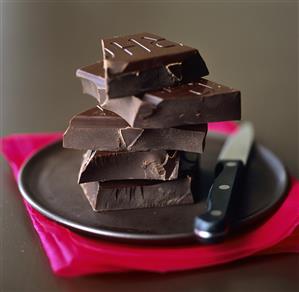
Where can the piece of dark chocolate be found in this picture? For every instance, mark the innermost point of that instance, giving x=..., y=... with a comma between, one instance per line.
x=103, y=130
x=198, y=102
x=142, y=62
x=146, y=165
x=193, y=103
x=124, y=195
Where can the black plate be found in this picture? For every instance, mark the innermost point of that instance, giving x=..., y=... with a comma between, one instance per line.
x=48, y=182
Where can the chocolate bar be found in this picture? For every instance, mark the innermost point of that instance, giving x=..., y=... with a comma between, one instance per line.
x=146, y=165
x=143, y=62
x=193, y=103
x=198, y=102
x=121, y=195
x=103, y=130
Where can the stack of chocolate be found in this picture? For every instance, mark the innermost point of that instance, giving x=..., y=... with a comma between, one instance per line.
x=144, y=138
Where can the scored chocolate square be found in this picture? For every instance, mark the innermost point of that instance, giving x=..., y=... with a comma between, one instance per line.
x=141, y=62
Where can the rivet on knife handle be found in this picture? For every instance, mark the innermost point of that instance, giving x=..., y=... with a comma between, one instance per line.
x=215, y=223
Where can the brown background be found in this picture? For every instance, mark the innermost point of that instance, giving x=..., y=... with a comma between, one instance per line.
x=249, y=46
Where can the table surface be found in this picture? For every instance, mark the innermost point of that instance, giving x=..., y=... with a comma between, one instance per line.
x=249, y=46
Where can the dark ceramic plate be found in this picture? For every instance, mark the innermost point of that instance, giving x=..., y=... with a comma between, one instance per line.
x=48, y=182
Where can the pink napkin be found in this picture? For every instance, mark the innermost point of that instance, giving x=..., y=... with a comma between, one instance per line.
x=71, y=254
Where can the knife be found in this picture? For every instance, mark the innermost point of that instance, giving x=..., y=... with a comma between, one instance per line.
x=215, y=223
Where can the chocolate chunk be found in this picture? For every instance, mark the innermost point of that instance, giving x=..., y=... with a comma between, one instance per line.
x=105, y=131
x=123, y=195
x=146, y=165
x=193, y=103
x=198, y=102
x=142, y=62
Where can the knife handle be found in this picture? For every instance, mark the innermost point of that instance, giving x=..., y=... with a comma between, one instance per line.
x=215, y=223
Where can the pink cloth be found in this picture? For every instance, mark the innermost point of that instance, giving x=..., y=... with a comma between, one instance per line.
x=71, y=254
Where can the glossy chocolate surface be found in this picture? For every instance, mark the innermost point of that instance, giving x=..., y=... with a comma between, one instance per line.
x=142, y=62
x=197, y=102
x=103, y=130
x=142, y=51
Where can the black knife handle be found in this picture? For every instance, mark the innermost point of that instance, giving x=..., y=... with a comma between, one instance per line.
x=215, y=223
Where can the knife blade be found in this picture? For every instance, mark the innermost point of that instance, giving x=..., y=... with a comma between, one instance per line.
x=215, y=223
